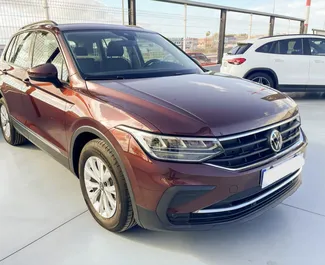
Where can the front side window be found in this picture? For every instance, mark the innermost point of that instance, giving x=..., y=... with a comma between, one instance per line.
x=126, y=54
x=291, y=46
x=21, y=54
x=317, y=47
x=46, y=50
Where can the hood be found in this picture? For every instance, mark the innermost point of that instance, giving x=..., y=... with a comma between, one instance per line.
x=197, y=104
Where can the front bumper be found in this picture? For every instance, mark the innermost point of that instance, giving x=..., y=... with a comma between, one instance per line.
x=224, y=213
x=178, y=196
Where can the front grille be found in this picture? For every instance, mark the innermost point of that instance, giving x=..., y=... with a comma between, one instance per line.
x=253, y=148
x=233, y=215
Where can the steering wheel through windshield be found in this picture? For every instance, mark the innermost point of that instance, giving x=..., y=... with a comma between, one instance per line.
x=151, y=62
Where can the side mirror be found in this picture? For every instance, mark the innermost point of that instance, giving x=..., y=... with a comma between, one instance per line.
x=45, y=73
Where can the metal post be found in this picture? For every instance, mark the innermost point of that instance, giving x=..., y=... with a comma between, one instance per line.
x=132, y=12
x=271, y=28
x=308, y=3
x=250, y=26
x=46, y=8
x=185, y=27
x=222, y=34
x=123, y=21
x=302, y=27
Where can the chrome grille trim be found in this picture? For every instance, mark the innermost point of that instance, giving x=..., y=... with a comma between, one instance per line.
x=258, y=130
x=298, y=144
x=262, y=196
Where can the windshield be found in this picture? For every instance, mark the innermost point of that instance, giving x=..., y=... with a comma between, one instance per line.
x=119, y=54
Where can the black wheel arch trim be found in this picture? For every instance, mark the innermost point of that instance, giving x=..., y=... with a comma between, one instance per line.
x=263, y=69
x=100, y=135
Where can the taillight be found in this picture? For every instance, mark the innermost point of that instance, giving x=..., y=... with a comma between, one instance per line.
x=237, y=61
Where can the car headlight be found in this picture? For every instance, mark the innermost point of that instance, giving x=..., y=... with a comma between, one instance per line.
x=174, y=148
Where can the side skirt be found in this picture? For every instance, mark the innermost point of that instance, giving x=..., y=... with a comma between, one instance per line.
x=41, y=143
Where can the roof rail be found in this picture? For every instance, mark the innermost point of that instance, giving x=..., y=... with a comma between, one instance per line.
x=42, y=22
x=288, y=35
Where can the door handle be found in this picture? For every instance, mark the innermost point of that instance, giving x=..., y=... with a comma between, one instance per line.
x=319, y=61
x=279, y=60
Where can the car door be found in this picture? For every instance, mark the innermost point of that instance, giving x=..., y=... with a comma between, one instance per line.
x=44, y=103
x=13, y=73
x=316, y=54
x=290, y=64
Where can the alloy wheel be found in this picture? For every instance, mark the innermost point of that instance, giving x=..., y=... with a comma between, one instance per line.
x=5, y=122
x=262, y=80
x=100, y=186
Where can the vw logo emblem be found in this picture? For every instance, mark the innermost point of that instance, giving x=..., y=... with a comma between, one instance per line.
x=276, y=140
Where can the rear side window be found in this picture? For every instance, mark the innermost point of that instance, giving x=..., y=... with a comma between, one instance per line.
x=268, y=47
x=291, y=46
x=8, y=52
x=240, y=48
x=22, y=51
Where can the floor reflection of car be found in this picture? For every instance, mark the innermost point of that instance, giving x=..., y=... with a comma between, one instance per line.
x=201, y=58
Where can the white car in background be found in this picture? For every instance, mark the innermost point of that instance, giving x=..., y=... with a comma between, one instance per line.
x=288, y=63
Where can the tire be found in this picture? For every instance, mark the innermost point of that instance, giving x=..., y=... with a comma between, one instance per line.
x=262, y=78
x=9, y=132
x=95, y=155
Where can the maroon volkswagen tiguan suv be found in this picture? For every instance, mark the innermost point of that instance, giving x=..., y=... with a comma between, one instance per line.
x=154, y=139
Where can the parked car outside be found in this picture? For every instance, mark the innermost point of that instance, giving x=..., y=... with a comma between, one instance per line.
x=201, y=58
x=157, y=142
x=288, y=63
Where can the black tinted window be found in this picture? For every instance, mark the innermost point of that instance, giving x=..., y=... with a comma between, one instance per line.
x=21, y=54
x=8, y=52
x=317, y=47
x=293, y=46
x=240, y=49
x=46, y=50
x=268, y=47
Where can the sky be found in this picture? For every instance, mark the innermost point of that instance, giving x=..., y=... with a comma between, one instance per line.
x=169, y=18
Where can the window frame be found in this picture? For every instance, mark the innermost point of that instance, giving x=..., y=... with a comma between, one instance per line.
x=60, y=49
x=10, y=46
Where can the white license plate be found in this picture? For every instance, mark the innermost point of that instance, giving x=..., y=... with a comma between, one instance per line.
x=277, y=172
